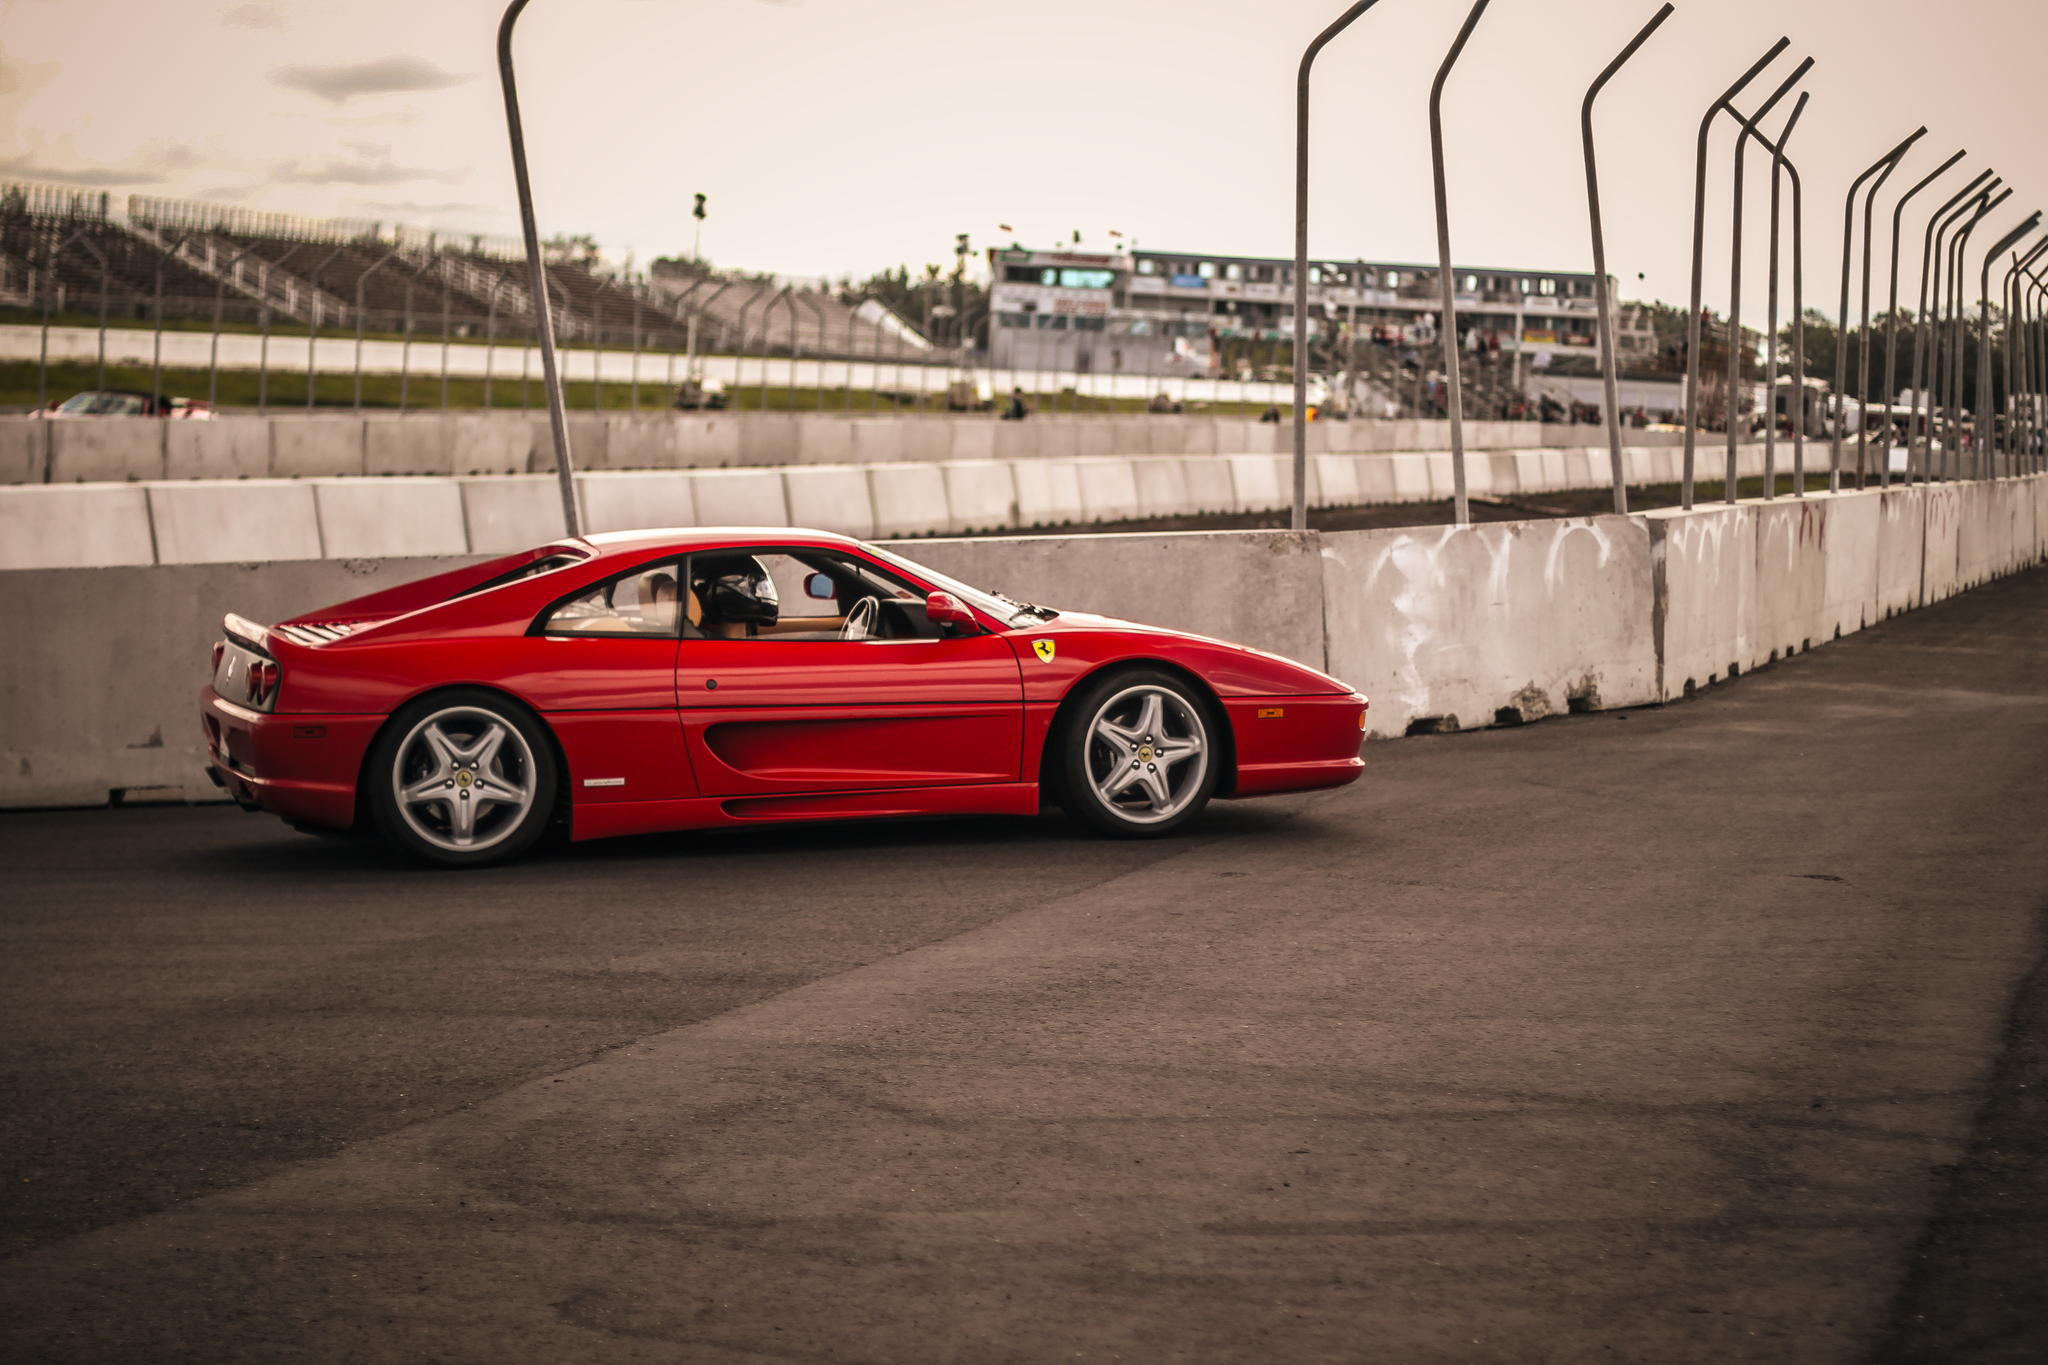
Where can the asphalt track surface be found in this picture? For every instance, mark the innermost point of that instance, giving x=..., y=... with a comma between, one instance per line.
x=1712, y=1032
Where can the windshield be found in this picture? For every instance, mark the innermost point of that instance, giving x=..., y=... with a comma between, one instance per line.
x=102, y=405
x=1005, y=609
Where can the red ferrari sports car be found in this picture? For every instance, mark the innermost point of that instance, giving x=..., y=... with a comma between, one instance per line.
x=680, y=679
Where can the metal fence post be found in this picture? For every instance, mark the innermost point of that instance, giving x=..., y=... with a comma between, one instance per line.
x=1881, y=168
x=313, y=323
x=263, y=346
x=1610, y=384
x=1771, y=310
x=1699, y=243
x=1730, y=479
x=2016, y=359
x=1958, y=249
x=1926, y=334
x=1891, y=319
x=558, y=420
x=1987, y=420
x=1863, y=330
x=1299, y=517
x=362, y=281
x=1447, y=334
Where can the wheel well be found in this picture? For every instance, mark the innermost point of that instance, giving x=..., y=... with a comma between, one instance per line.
x=1226, y=777
x=562, y=792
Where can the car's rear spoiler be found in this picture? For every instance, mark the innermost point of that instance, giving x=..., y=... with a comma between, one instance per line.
x=243, y=631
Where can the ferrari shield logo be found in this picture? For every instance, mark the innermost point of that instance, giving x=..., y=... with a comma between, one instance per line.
x=1043, y=649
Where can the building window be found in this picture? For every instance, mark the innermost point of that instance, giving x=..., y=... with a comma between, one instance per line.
x=1052, y=322
x=1207, y=270
x=1471, y=283
x=1147, y=267
x=1393, y=279
x=1233, y=271
x=1020, y=274
x=1090, y=324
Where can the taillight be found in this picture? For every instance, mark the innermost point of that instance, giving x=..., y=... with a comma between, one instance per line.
x=263, y=679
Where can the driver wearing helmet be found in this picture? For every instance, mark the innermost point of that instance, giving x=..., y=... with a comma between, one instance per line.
x=736, y=595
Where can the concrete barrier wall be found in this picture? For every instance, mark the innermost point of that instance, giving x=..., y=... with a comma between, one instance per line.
x=1503, y=623
x=1442, y=626
x=489, y=513
x=297, y=445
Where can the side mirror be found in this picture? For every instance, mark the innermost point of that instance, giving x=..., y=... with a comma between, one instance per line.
x=944, y=609
x=819, y=587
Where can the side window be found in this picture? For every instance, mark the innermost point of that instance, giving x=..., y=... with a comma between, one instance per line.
x=643, y=602
x=801, y=595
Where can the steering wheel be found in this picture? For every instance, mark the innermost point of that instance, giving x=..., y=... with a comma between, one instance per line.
x=860, y=620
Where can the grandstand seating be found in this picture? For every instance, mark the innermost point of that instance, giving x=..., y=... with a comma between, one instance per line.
x=53, y=240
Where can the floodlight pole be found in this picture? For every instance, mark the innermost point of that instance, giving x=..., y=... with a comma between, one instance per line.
x=1299, y=521
x=551, y=377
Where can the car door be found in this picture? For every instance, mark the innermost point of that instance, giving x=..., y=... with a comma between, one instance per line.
x=807, y=711
x=600, y=667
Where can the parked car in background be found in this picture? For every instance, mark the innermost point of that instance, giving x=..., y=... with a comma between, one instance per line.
x=127, y=403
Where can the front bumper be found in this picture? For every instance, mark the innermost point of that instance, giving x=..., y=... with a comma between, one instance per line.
x=301, y=767
x=1289, y=744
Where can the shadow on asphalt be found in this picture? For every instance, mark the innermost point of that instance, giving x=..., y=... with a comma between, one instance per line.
x=273, y=850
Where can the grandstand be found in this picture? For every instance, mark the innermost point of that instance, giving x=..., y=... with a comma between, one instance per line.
x=79, y=252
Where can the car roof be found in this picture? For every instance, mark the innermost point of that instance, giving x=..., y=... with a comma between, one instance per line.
x=623, y=544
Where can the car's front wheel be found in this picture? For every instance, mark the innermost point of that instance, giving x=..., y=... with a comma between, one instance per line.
x=463, y=778
x=1139, y=756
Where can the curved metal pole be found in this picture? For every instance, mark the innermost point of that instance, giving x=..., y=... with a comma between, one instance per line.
x=1891, y=316
x=1610, y=384
x=2015, y=348
x=220, y=290
x=1699, y=239
x=1779, y=159
x=739, y=358
x=1924, y=337
x=1882, y=167
x=263, y=315
x=362, y=282
x=809, y=299
x=558, y=418
x=313, y=322
x=1730, y=478
x=2033, y=290
x=156, y=346
x=1863, y=328
x=1447, y=335
x=1987, y=420
x=1771, y=310
x=1958, y=252
x=1942, y=356
x=1299, y=519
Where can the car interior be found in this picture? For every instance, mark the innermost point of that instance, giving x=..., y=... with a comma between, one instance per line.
x=796, y=595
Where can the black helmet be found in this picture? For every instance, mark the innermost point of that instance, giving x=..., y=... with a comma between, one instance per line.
x=734, y=588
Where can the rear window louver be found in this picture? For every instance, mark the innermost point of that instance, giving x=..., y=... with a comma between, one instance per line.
x=314, y=633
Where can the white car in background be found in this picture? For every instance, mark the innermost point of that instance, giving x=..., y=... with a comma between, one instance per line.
x=127, y=403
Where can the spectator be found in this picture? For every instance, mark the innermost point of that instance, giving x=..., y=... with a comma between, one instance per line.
x=1016, y=410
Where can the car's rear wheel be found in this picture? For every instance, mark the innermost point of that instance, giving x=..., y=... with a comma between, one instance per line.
x=1139, y=754
x=463, y=778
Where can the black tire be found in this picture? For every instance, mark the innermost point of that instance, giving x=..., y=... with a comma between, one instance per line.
x=429, y=827
x=1085, y=759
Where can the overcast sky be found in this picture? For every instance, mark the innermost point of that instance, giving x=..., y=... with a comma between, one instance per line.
x=838, y=136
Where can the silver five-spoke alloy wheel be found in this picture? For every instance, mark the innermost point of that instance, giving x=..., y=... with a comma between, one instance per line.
x=1147, y=753
x=463, y=779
